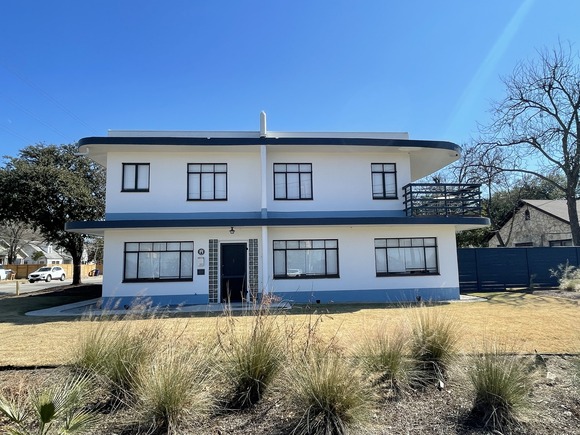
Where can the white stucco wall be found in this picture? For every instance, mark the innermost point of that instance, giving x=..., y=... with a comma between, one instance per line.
x=168, y=182
x=341, y=179
x=356, y=259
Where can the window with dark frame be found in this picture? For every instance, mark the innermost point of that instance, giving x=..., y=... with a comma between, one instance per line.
x=384, y=180
x=306, y=259
x=207, y=182
x=292, y=181
x=158, y=261
x=406, y=256
x=563, y=242
x=135, y=177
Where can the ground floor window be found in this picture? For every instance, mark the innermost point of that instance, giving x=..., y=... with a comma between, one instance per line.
x=306, y=258
x=170, y=261
x=406, y=256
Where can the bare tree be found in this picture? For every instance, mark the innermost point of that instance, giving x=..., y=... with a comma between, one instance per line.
x=16, y=235
x=536, y=125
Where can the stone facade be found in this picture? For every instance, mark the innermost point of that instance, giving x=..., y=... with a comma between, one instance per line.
x=532, y=227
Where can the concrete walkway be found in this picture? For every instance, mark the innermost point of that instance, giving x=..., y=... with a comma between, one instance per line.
x=92, y=308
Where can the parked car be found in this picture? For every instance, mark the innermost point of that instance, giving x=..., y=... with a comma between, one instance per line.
x=47, y=274
x=5, y=273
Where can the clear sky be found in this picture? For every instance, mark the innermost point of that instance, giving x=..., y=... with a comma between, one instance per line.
x=76, y=68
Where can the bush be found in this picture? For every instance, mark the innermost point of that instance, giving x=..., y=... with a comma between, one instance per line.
x=60, y=407
x=253, y=357
x=386, y=356
x=174, y=386
x=568, y=277
x=433, y=344
x=502, y=385
x=329, y=395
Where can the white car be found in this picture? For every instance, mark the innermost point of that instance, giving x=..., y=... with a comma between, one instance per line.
x=47, y=274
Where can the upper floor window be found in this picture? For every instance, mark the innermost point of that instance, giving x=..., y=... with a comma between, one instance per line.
x=293, y=181
x=306, y=258
x=407, y=256
x=170, y=261
x=135, y=177
x=207, y=181
x=384, y=178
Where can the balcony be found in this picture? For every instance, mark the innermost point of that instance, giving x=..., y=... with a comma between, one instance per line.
x=437, y=199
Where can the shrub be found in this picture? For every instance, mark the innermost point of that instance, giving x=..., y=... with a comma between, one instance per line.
x=386, y=356
x=329, y=395
x=568, y=277
x=433, y=344
x=60, y=407
x=502, y=385
x=253, y=357
x=173, y=386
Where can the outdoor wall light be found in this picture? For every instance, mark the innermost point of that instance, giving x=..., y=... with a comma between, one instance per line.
x=232, y=231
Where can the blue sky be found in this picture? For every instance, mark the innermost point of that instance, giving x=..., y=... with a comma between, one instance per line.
x=70, y=69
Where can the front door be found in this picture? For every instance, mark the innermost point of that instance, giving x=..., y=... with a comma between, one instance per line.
x=233, y=277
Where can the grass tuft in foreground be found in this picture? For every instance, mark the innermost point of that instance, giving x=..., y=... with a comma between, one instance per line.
x=502, y=384
x=175, y=386
x=253, y=357
x=385, y=356
x=115, y=349
x=433, y=345
x=329, y=394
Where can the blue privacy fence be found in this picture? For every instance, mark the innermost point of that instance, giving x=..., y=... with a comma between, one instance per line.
x=494, y=269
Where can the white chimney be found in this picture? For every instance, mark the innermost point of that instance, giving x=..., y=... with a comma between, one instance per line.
x=263, y=132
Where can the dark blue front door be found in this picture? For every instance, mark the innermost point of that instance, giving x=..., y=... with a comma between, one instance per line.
x=233, y=272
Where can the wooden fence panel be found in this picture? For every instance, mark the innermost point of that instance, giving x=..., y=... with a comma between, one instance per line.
x=21, y=271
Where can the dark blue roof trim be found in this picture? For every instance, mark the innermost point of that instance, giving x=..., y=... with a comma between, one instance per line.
x=243, y=141
x=281, y=221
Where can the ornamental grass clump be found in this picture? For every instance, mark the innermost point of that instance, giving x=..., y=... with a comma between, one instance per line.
x=175, y=387
x=433, y=344
x=115, y=350
x=568, y=277
x=502, y=384
x=329, y=395
x=253, y=354
x=384, y=355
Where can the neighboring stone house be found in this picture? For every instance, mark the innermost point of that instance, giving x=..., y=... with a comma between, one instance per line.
x=536, y=222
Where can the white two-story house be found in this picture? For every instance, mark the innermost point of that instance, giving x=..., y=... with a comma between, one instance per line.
x=207, y=217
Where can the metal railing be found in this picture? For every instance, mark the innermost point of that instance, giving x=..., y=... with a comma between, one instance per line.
x=438, y=199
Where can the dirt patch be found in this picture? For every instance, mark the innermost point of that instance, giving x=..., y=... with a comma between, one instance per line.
x=554, y=406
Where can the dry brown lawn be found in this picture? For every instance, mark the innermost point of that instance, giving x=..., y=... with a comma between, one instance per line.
x=526, y=323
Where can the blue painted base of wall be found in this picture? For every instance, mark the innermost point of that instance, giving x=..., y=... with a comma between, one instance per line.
x=371, y=296
x=120, y=302
x=322, y=297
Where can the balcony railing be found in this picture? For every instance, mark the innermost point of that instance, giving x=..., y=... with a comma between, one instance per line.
x=437, y=199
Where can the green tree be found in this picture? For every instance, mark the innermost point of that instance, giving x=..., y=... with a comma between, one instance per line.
x=47, y=186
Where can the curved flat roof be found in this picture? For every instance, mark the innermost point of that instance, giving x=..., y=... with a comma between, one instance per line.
x=426, y=156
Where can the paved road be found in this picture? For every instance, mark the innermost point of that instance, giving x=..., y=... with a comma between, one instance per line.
x=9, y=287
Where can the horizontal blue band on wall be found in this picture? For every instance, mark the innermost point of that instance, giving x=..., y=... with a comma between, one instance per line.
x=389, y=296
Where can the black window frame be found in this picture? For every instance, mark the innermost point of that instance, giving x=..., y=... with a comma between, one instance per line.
x=141, y=245
x=425, y=270
x=383, y=171
x=215, y=173
x=136, y=178
x=560, y=243
x=283, y=196
x=325, y=249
